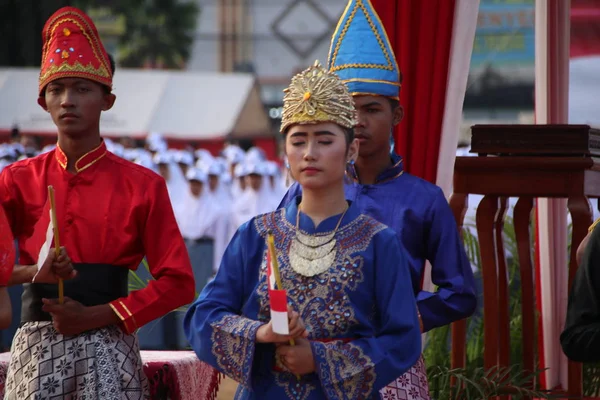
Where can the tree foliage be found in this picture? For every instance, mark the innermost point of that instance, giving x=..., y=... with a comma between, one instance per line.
x=159, y=33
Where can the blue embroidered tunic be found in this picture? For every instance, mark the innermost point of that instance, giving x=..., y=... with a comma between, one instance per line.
x=419, y=213
x=361, y=314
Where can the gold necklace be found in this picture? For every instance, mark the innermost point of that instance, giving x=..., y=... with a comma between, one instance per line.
x=312, y=255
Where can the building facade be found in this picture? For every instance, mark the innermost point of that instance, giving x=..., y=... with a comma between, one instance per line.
x=272, y=38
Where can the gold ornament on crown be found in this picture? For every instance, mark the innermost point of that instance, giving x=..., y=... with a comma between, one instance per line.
x=317, y=95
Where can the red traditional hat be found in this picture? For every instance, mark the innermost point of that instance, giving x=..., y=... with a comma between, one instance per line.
x=72, y=49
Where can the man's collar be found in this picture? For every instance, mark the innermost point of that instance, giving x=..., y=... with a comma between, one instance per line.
x=393, y=171
x=85, y=161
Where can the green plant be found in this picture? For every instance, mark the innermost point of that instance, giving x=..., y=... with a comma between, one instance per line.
x=591, y=380
x=474, y=378
x=135, y=281
x=478, y=383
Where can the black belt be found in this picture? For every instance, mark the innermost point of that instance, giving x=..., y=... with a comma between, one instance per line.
x=95, y=284
x=202, y=240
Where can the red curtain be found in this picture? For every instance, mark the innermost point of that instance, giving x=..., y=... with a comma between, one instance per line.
x=585, y=28
x=421, y=34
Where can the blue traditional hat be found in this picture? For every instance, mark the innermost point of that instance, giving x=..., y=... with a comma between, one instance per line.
x=361, y=54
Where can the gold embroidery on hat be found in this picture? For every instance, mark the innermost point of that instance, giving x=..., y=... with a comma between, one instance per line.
x=101, y=71
x=390, y=64
x=316, y=95
x=88, y=71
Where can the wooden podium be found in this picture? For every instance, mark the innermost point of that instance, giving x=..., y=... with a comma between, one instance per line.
x=526, y=162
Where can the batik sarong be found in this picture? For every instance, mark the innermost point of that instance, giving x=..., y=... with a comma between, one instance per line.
x=100, y=364
x=412, y=385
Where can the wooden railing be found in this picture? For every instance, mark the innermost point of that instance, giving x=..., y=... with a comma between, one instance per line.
x=526, y=178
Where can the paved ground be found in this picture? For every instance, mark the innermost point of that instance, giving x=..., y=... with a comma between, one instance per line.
x=227, y=389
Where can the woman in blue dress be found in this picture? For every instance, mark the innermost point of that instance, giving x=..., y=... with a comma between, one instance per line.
x=354, y=319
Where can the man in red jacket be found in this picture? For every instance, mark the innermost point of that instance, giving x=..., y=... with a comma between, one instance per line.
x=110, y=214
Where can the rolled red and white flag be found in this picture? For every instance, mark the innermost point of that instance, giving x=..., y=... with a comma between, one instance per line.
x=277, y=301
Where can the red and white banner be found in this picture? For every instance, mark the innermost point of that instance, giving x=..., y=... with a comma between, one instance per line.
x=277, y=302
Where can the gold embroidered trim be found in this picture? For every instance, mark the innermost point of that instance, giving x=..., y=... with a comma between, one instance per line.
x=316, y=95
x=129, y=313
x=388, y=67
x=351, y=370
x=233, y=345
x=116, y=312
x=373, y=94
x=393, y=177
x=371, y=81
x=77, y=69
x=337, y=29
x=355, y=177
x=125, y=322
x=89, y=164
x=58, y=154
x=386, y=37
x=125, y=308
x=591, y=228
x=64, y=166
x=93, y=40
x=96, y=44
x=63, y=162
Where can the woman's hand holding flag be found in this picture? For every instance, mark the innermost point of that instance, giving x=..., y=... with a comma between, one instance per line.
x=285, y=324
x=297, y=330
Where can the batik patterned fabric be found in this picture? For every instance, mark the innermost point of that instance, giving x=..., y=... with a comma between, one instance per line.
x=100, y=364
x=361, y=315
x=412, y=385
x=4, y=360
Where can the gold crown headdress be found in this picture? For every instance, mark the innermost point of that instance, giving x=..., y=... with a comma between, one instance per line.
x=317, y=95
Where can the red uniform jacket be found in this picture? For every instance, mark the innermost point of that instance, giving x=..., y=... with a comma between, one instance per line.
x=110, y=212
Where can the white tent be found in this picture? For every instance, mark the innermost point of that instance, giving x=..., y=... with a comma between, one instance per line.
x=181, y=105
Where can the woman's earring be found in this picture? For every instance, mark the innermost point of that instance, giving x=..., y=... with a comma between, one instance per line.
x=350, y=173
x=289, y=179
